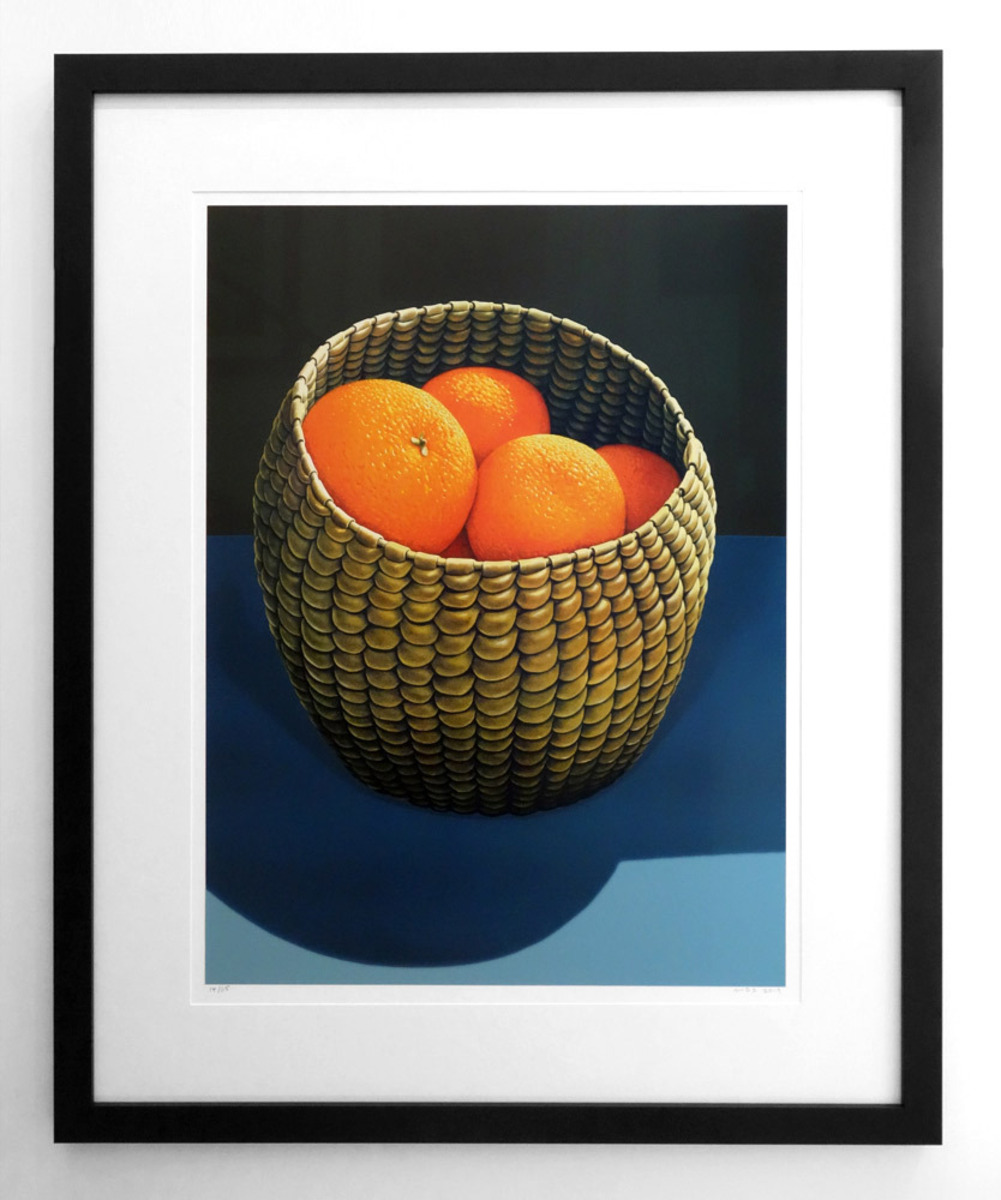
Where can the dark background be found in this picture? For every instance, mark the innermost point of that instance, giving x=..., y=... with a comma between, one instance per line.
x=696, y=292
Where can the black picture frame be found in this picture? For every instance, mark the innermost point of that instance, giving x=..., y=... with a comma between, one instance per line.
x=917, y=77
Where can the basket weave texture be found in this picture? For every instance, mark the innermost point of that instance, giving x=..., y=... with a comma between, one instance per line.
x=485, y=686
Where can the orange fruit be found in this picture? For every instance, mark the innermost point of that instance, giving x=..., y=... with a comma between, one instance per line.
x=394, y=459
x=459, y=547
x=647, y=480
x=543, y=494
x=492, y=405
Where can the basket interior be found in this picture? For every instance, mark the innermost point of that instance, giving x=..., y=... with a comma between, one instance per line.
x=596, y=391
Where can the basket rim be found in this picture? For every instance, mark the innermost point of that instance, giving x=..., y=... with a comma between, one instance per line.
x=297, y=398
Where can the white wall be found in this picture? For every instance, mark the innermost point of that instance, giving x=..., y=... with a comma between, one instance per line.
x=968, y=1166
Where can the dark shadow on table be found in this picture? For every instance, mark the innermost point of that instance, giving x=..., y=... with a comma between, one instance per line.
x=297, y=846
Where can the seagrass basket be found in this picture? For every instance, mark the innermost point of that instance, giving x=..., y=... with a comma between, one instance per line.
x=492, y=687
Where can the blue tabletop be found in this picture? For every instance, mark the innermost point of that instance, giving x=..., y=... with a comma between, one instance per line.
x=673, y=875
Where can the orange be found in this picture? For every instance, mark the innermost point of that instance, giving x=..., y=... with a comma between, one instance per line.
x=647, y=480
x=492, y=405
x=543, y=494
x=394, y=459
x=459, y=547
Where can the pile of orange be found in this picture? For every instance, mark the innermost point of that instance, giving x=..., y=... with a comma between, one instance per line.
x=467, y=467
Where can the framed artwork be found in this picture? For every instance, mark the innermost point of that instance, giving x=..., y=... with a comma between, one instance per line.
x=377, y=823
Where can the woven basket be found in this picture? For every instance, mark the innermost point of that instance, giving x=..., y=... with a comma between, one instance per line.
x=485, y=687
